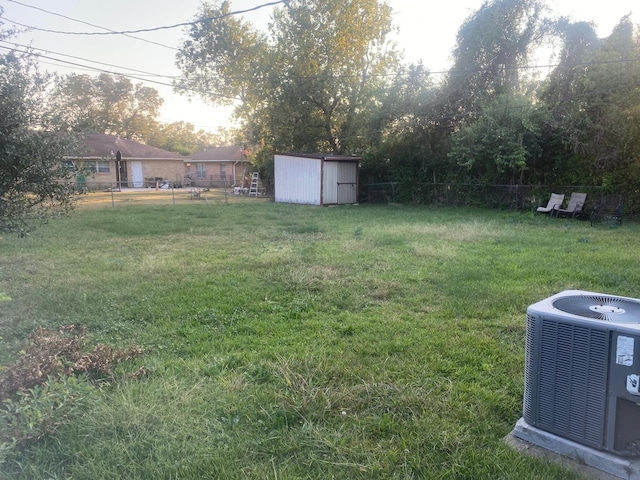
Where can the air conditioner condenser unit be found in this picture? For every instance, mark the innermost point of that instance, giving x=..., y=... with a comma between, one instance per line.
x=582, y=370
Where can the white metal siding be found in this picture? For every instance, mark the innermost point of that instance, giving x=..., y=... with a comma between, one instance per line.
x=297, y=179
x=330, y=183
x=347, y=182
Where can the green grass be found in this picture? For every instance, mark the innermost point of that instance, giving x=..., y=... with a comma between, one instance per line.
x=296, y=342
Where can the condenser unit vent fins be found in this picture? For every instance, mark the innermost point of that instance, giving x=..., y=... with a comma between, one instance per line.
x=572, y=389
x=530, y=372
x=600, y=307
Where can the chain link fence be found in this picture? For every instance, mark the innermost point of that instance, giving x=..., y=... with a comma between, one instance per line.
x=114, y=195
x=506, y=197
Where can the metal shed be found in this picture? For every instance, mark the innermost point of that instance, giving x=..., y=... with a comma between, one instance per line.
x=316, y=179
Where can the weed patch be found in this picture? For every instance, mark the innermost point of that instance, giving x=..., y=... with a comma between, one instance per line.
x=54, y=375
x=51, y=355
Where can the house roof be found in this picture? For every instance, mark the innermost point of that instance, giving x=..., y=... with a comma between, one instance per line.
x=102, y=145
x=221, y=154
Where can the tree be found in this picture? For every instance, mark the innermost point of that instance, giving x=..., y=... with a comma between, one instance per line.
x=114, y=105
x=182, y=137
x=34, y=181
x=310, y=85
x=503, y=144
x=496, y=128
x=492, y=46
x=222, y=60
x=579, y=44
x=107, y=104
x=407, y=133
x=595, y=100
x=334, y=59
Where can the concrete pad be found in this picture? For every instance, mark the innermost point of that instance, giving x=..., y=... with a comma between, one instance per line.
x=589, y=462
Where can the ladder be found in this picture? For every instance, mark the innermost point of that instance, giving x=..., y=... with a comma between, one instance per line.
x=253, y=190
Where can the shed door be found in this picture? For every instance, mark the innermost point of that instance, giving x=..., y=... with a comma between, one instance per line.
x=347, y=183
x=136, y=172
x=340, y=183
x=330, y=183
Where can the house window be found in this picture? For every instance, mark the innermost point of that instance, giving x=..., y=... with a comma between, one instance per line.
x=201, y=170
x=70, y=165
x=99, y=166
x=102, y=166
x=223, y=171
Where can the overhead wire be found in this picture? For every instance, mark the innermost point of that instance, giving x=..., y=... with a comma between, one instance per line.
x=123, y=33
x=166, y=84
x=155, y=29
x=90, y=67
x=338, y=76
x=143, y=72
x=101, y=70
x=85, y=23
x=127, y=33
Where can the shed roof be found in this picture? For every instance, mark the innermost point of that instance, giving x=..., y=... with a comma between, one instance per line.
x=222, y=154
x=325, y=157
x=102, y=145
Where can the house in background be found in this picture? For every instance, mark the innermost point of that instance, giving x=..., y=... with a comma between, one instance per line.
x=219, y=167
x=316, y=179
x=111, y=160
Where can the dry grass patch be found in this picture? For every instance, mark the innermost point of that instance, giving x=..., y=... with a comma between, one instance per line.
x=53, y=354
x=54, y=373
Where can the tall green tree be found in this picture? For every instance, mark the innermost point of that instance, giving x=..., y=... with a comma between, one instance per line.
x=408, y=134
x=182, y=137
x=34, y=181
x=594, y=94
x=224, y=58
x=496, y=127
x=607, y=110
x=309, y=85
x=579, y=42
x=114, y=105
x=334, y=58
x=504, y=144
x=107, y=104
x=492, y=46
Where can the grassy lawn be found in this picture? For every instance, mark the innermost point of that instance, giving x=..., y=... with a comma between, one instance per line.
x=297, y=342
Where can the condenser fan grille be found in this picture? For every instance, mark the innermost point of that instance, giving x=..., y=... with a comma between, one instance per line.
x=599, y=307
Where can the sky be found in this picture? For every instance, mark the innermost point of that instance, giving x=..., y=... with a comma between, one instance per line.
x=427, y=32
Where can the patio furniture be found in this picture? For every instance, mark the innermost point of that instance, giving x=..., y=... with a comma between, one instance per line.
x=555, y=201
x=609, y=208
x=574, y=207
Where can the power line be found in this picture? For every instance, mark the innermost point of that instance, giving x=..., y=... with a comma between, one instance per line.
x=127, y=33
x=289, y=78
x=153, y=29
x=90, y=67
x=101, y=70
x=92, y=61
x=85, y=23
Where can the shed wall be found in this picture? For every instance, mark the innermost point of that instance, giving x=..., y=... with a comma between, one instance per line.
x=297, y=179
